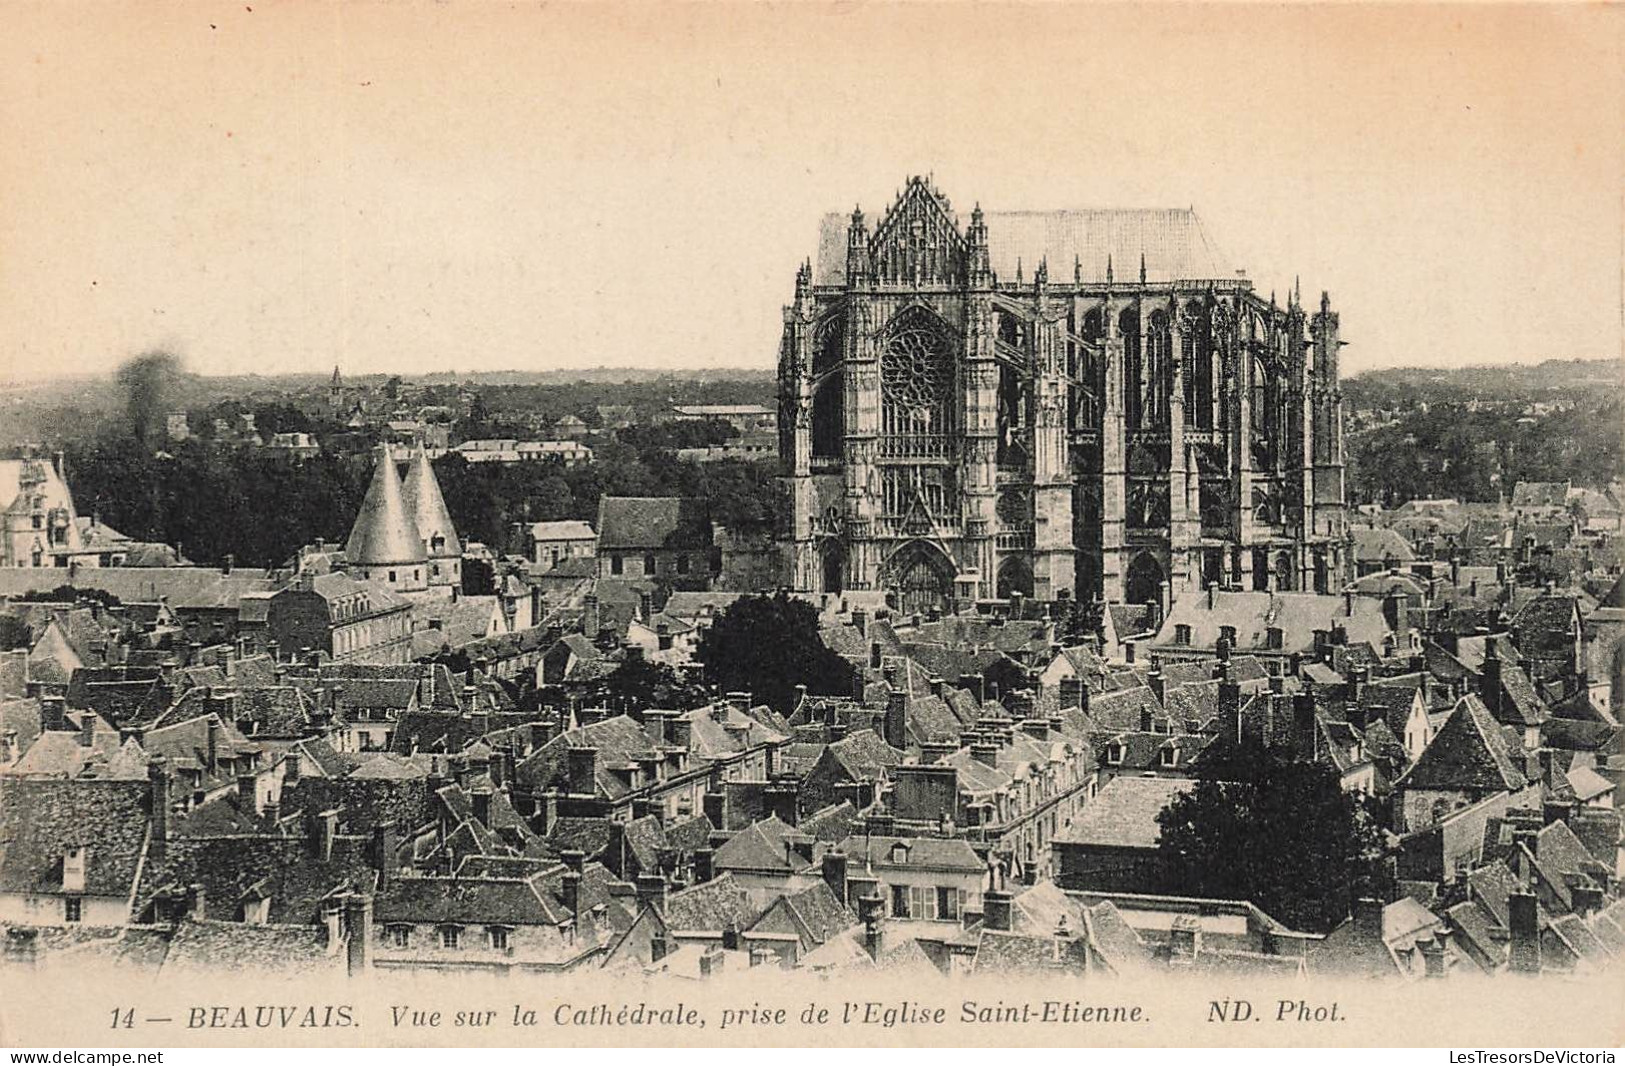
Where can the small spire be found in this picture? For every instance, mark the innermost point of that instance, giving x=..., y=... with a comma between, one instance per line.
x=1018, y=270
x=1142, y=268
x=1077, y=269
x=1108, y=268
x=1297, y=290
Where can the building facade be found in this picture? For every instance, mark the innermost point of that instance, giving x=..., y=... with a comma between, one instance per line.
x=970, y=411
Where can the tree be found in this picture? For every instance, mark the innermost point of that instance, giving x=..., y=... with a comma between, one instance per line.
x=14, y=633
x=1279, y=832
x=637, y=685
x=767, y=645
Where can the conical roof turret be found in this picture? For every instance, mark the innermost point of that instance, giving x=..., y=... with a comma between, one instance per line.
x=428, y=507
x=385, y=532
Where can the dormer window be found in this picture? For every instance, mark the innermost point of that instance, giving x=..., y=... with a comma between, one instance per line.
x=451, y=936
x=1168, y=756
x=1182, y=634
x=1114, y=754
x=400, y=936
x=1228, y=635
x=899, y=853
x=1274, y=639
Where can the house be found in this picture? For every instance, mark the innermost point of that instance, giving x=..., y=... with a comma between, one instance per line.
x=853, y=768
x=664, y=536
x=345, y=619
x=768, y=859
x=1467, y=761
x=1112, y=844
x=919, y=879
x=1274, y=626
x=1375, y=550
x=72, y=851
x=552, y=541
x=744, y=417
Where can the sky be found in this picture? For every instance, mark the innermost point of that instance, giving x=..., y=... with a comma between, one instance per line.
x=413, y=187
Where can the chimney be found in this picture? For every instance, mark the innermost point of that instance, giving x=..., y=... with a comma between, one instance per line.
x=1185, y=939
x=248, y=793
x=87, y=729
x=1523, y=918
x=834, y=871
x=1348, y=602
x=358, y=926
x=1368, y=919
x=1154, y=681
x=896, y=721
x=1303, y=723
x=582, y=771
x=384, y=851
x=158, y=782
x=860, y=622
x=324, y=828
x=1071, y=692
x=570, y=894
x=986, y=754
x=875, y=657
x=1588, y=899
x=212, y=755
x=1432, y=957
x=481, y=802
x=1359, y=676
x=53, y=713
x=703, y=868
x=590, y=618
x=869, y=911
x=711, y=961
x=197, y=903
x=1490, y=676
x=997, y=908
x=652, y=891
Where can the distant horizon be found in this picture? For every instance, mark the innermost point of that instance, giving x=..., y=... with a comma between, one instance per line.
x=404, y=187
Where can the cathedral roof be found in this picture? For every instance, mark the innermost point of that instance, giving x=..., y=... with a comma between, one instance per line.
x=385, y=531
x=428, y=506
x=1173, y=241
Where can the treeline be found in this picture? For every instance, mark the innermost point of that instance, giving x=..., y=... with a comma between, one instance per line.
x=1400, y=388
x=1478, y=456
x=260, y=507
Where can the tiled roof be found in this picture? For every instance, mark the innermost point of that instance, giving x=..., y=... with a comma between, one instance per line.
x=664, y=522
x=761, y=847
x=41, y=820
x=385, y=531
x=1252, y=614
x=462, y=901
x=1172, y=240
x=428, y=507
x=1124, y=813
x=925, y=852
x=712, y=906
x=1468, y=752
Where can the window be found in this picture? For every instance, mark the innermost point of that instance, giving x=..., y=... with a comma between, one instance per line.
x=450, y=937
x=72, y=909
x=435, y=569
x=948, y=903
x=615, y=564
x=1182, y=634
x=1228, y=635
x=922, y=902
x=1275, y=638
x=392, y=576
x=1168, y=756
x=899, y=901
x=499, y=938
x=1114, y=754
x=648, y=564
x=400, y=935
x=682, y=564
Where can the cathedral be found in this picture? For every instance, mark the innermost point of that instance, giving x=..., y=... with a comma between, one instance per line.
x=1056, y=404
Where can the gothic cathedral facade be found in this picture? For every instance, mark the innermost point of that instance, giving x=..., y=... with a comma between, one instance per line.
x=961, y=421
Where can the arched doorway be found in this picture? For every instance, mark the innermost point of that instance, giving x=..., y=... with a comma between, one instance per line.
x=832, y=563
x=1144, y=583
x=1014, y=576
x=922, y=578
x=1285, y=573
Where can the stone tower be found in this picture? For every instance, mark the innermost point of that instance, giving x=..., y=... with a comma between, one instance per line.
x=385, y=546
x=428, y=508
